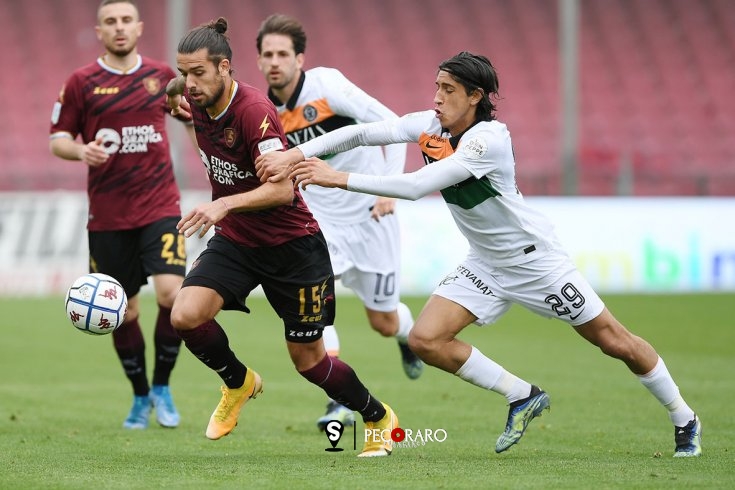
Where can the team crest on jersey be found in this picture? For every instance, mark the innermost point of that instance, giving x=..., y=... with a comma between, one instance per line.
x=152, y=85
x=229, y=137
x=310, y=113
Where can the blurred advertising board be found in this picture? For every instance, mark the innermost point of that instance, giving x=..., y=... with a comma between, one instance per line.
x=636, y=245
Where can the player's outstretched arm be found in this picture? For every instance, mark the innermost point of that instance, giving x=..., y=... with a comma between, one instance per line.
x=275, y=166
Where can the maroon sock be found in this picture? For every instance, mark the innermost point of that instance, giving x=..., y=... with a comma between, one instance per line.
x=341, y=384
x=130, y=348
x=167, y=343
x=209, y=343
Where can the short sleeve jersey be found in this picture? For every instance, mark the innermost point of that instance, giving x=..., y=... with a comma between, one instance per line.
x=127, y=111
x=228, y=146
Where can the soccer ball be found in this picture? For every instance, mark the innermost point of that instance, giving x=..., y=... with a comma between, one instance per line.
x=96, y=304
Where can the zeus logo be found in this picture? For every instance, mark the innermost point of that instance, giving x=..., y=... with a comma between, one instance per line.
x=334, y=430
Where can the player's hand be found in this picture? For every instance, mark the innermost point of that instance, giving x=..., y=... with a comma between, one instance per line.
x=180, y=107
x=382, y=206
x=273, y=166
x=93, y=153
x=202, y=218
x=316, y=171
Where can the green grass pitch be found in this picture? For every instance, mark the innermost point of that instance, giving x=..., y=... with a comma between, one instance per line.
x=63, y=398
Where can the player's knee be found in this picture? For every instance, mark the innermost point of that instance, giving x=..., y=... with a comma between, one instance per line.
x=384, y=322
x=305, y=356
x=384, y=328
x=177, y=319
x=132, y=313
x=621, y=346
x=166, y=298
x=422, y=345
x=611, y=337
x=167, y=286
x=183, y=318
x=611, y=349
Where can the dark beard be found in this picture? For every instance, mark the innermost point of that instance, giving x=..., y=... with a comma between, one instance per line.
x=279, y=86
x=212, y=100
x=121, y=53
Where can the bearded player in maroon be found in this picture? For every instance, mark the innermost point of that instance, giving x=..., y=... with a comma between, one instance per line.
x=264, y=235
x=117, y=106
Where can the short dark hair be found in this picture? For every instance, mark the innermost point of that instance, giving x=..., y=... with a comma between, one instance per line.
x=108, y=2
x=104, y=3
x=283, y=24
x=210, y=36
x=475, y=72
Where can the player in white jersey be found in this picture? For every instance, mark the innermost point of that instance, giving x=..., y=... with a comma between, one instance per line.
x=361, y=230
x=514, y=255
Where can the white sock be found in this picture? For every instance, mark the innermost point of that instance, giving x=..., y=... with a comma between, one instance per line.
x=488, y=374
x=405, y=323
x=331, y=340
x=661, y=385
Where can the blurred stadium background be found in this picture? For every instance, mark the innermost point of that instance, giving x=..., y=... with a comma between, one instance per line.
x=656, y=85
x=603, y=97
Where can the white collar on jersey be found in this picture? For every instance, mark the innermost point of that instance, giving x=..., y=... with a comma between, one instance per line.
x=133, y=69
x=233, y=91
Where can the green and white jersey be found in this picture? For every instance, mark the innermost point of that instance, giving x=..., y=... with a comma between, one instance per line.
x=475, y=173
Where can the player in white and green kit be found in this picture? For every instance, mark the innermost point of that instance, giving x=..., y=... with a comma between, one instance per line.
x=514, y=255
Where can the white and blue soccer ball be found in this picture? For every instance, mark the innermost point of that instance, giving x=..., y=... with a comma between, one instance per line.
x=96, y=304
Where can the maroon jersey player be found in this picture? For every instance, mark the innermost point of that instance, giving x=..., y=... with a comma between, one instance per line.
x=124, y=115
x=117, y=107
x=264, y=235
x=228, y=146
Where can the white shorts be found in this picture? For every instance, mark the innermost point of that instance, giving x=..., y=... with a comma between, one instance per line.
x=550, y=285
x=366, y=257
